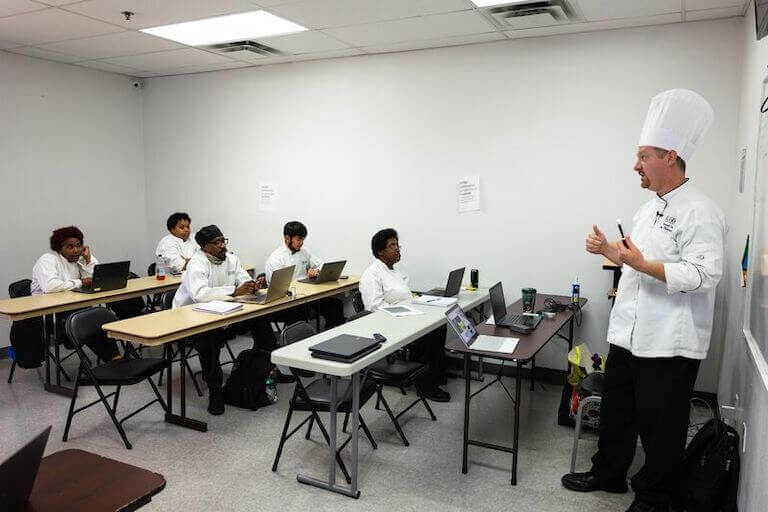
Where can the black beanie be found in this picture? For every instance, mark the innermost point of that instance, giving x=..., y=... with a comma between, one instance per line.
x=206, y=234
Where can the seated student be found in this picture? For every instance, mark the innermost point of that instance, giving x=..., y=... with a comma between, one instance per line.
x=214, y=274
x=293, y=252
x=177, y=246
x=69, y=265
x=382, y=284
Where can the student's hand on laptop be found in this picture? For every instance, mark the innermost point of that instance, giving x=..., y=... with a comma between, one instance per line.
x=86, y=254
x=261, y=282
x=87, y=282
x=247, y=288
x=313, y=273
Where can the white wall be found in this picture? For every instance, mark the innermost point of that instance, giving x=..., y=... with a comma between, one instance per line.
x=70, y=153
x=739, y=375
x=357, y=144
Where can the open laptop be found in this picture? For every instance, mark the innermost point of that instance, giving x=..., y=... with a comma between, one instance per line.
x=344, y=348
x=330, y=271
x=278, y=288
x=465, y=328
x=452, y=288
x=523, y=324
x=107, y=277
x=18, y=473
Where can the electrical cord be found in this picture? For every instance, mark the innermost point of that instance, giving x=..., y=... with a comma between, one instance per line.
x=558, y=307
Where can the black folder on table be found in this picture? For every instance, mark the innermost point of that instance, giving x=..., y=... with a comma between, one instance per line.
x=344, y=348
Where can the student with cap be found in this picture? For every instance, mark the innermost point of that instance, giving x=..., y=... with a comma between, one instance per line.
x=215, y=274
x=661, y=323
x=293, y=252
x=177, y=246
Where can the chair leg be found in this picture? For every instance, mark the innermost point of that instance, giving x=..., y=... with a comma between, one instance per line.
x=309, y=428
x=229, y=349
x=392, y=417
x=193, y=377
x=112, y=416
x=340, y=462
x=282, y=437
x=429, y=409
x=346, y=423
x=157, y=394
x=71, y=408
x=162, y=371
x=402, y=391
x=58, y=365
x=117, y=396
x=10, y=375
x=367, y=432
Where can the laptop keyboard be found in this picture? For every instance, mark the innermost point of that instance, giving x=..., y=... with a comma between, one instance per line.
x=519, y=319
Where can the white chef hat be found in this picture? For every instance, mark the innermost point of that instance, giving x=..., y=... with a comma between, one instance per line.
x=677, y=119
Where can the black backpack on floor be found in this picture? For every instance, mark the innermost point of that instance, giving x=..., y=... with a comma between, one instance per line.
x=26, y=335
x=710, y=473
x=246, y=386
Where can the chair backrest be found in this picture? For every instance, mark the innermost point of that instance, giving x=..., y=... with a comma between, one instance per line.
x=133, y=275
x=359, y=314
x=20, y=288
x=151, y=269
x=357, y=302
x=167, y=299
x=84, y=326
x=296, y=332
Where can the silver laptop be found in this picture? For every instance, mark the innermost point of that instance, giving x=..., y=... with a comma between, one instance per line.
x=330, y=271
x=465, y=328
x=278, y=288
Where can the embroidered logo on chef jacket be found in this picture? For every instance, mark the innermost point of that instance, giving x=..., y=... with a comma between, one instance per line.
x=669, y=223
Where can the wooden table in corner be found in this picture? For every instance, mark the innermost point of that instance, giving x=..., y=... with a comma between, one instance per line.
x=527, y=348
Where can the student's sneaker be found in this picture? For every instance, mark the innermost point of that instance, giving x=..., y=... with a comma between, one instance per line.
x=437, y=395
x=216, y=402
x=588, y=482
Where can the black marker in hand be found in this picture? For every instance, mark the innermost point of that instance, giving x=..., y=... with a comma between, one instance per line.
x=621, y=230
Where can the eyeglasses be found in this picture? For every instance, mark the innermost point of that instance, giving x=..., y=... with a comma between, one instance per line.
x=219, y=241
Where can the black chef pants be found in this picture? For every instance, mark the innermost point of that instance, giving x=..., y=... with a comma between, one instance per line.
x=646, y=397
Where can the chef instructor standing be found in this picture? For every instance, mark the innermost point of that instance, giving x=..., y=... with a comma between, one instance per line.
x=661, y=323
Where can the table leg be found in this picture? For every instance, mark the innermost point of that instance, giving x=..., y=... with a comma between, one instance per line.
x=47, y=345
x=355, y=429
x=57, y=388
x=515, y=444
x=533, y=373
x=181, y=420
x=467, y=379
x=56, y=350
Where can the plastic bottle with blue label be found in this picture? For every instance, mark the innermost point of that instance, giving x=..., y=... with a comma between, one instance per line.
x=271, y=388
x=575, y=290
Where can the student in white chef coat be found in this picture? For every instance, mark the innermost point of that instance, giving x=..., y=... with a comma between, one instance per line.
x=293, y=252
x=661, y=324
x=382, y=284
x=178, y=245
x=69, y=265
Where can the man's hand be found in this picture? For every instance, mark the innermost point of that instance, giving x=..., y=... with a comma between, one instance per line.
x=247, y=288
x=261, y=282
x=631, y=255
x=86, y=254
x=87, y=282
x=313, y=273
x=596, y=241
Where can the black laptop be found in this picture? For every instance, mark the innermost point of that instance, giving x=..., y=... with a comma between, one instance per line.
x=344, y=348
x=330, y=271
x=107, y=277
x=18, y=473
x=452, y=288
x=523, y=324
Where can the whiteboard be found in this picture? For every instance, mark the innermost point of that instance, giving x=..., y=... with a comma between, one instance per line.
x=756, y=311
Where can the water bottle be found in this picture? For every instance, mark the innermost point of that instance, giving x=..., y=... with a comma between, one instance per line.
x=160, y=268
x=271, y=389
x=575, y=290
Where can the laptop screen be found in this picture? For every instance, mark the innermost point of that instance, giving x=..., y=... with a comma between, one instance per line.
x=460, y=323
x=454, y=282
x=497, y=302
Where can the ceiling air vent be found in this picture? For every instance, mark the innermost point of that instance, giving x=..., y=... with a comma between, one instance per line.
x=245, y=48
x=534, y=14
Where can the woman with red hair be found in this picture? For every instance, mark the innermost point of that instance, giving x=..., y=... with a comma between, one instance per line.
x=69, y=265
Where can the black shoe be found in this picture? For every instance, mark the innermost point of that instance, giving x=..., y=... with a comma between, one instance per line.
x=437, y=395
x=587, y=482
x=216, y=402
x=282, y=378
x=642, y=506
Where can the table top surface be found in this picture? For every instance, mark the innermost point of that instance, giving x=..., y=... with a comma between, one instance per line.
x=399, y=331
x=529, y=344
x=165, y=326
x=47, y=303
x=76, y=480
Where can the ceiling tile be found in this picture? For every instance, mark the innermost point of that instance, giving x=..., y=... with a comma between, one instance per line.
x=304, y=42
x=347, y=52
x=413, y=29
x=596, y=25
x=203, y=68
x=57, y=2
x=696, y=5
x=44, y=54
x=11, y=7
x=339, y=13
x=711, y=14
x=51, y=25
x=597, y=10
x=113, y=45
x=436, y=43
x=160, y=61
x=106, y=66
x=153, y=13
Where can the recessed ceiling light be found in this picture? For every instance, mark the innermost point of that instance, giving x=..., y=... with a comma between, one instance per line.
x=222, y=29
x=488, y=3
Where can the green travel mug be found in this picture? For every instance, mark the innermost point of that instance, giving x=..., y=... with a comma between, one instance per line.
x=529, y=300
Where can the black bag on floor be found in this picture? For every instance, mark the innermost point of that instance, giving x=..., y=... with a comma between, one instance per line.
x=710, y=473
x=246, y=386
x=27, y=342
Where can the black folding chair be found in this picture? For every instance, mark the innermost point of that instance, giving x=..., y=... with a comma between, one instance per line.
x=85, y=325
x=166, y=302
x=316, y=397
